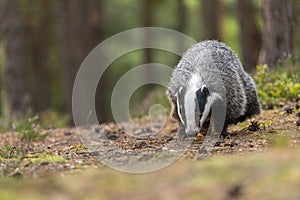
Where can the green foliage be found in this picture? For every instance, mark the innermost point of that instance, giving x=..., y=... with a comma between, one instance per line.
x=29, y=132
x=230, y=32
x=276, y=86
x=52, y=119
x=45, y=120
x=8, y=151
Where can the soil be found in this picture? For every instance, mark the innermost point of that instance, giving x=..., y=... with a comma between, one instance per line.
x=71, y=150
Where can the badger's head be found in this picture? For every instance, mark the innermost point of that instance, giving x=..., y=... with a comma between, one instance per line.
x=193, y=107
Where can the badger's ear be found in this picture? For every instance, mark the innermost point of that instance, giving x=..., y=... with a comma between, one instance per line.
x=205, y=90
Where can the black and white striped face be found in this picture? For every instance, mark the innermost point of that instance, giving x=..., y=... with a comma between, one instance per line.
x=193, y=108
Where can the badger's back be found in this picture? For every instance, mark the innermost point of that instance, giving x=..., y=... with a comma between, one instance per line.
x=220, y=69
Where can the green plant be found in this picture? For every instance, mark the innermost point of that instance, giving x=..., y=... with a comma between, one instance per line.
x=47, y=119
x=53, y=119
x=276, y=86
x=8, y=151
x=28, y=132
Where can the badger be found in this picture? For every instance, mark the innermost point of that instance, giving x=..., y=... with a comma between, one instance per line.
x=207, y=75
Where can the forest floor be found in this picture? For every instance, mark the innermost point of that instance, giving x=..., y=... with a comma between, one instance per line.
x=258, y=157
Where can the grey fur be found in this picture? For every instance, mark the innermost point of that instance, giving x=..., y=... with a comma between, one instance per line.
x=220, y=69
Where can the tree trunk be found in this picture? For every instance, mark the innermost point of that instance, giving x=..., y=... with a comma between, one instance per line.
x=148, y=22
x=296, y=6
x=278, y=31
x=79, y=33
x=212, y=18
x=181, y=21
x=38, y=72
x=250, y=36
x=13, y=37
x=181, y=12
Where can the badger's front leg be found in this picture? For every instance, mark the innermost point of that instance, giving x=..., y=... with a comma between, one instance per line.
x=217, y=122
x=212, y=136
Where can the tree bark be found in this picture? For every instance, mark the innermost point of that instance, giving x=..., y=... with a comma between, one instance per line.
x=250, y=37
x=278, y=31
x=296, y=12
x=181, y=12
x=15, y=54
x=79, y=33
x=212, y=18
x=38, y=72
x=148, y=22
x=181, y=21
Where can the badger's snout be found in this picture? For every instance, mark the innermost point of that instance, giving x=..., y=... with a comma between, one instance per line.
x=191, y=133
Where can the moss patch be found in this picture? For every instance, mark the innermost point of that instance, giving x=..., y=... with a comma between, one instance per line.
x=44, y=158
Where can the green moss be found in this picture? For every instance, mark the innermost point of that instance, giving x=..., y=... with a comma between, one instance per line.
x=279, y=141
x=44, y=158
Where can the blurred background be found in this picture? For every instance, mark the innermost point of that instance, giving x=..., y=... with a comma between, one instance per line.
x=44, y=42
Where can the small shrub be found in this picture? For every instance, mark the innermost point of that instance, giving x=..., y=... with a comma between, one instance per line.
x=274, y=87
x=29, y=132
x=53, y=119
x=8, y=151
x=46, y=120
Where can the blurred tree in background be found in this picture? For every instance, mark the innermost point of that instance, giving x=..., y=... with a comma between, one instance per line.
x=44, y=42
x=38, y=20
x=277, y=32
x=250, y=36
x=296, y=11
x=13, y=35
x=79, y=25
x=212, y=11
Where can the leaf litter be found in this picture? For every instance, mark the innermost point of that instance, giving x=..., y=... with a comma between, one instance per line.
x=64, y=150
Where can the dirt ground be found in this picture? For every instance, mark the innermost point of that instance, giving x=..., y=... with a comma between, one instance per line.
x=258, y=159
x=66, y=151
